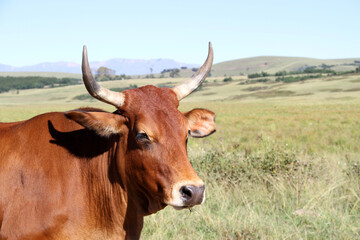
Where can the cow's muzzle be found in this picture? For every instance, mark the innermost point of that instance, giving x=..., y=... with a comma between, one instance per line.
x=186, y=194
x=192, y=195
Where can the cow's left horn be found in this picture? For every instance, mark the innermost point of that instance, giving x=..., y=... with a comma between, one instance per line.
x=190, y=85
x=105, y=95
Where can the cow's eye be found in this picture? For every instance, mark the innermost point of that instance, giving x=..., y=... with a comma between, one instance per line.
x=187, y=137
x=142, y=136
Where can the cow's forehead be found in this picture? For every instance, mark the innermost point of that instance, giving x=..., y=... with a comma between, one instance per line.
x=149, y=97
x=155, y=106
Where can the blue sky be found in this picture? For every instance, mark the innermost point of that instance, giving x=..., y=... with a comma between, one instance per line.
x=38, y=31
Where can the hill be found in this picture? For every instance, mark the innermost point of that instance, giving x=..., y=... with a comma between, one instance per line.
x=273, y=64
x=41, y=74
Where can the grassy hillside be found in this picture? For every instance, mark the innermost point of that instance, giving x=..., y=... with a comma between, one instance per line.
x=274, y=64
x=240, y=89
x=283, y=163
x=41, y=74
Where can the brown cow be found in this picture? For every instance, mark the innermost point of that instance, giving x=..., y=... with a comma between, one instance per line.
x=91, y=174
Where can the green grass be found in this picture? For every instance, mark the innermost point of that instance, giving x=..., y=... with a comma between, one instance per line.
x=283, y=163
x=273, y=172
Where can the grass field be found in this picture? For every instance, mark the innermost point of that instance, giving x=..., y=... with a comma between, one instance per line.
x=283, y=164
x=274, y=171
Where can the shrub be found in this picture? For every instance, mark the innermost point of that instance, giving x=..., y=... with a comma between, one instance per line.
x=149, y=76
x=254, y=75
x=257, y=75
x=231, y=167
x=281, y=73
x=317, y=70
x=255, y=81
x=227, y=79
x=291, y=79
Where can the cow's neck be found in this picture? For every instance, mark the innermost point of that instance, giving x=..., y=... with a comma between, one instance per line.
x=110, y=207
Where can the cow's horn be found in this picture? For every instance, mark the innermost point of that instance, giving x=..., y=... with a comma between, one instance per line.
x=190, y=85
x=114, y=98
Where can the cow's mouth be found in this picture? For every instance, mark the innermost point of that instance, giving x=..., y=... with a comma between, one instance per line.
x=182, y=207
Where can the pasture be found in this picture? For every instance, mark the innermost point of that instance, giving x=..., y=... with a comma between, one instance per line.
x=283, y=164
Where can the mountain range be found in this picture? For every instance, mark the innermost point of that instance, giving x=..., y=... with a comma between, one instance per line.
x=243, y=66
x=120, y=65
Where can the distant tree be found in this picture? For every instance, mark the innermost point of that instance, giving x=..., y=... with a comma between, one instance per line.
x=174, y=72
x=280, y=73
x=122, y=77
x=318, y=70
x=325, y=66
x=256, y=75
x=227, y=79
x=357, y=70
x=265, y=74
x=104, y=74
x=149, y=76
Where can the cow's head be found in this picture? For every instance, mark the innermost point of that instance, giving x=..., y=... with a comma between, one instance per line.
x=155, y=161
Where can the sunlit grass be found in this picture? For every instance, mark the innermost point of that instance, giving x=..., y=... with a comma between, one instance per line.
x=273, y=172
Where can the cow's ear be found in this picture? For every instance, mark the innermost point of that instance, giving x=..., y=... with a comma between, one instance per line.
x=201, y=122
x=103, y=123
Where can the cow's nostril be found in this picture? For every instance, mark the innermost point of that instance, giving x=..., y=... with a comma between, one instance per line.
x=186, y=192
x=192, y=195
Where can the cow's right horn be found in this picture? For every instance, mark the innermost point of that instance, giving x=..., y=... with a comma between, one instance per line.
x=190, y=85
x=105, y=95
